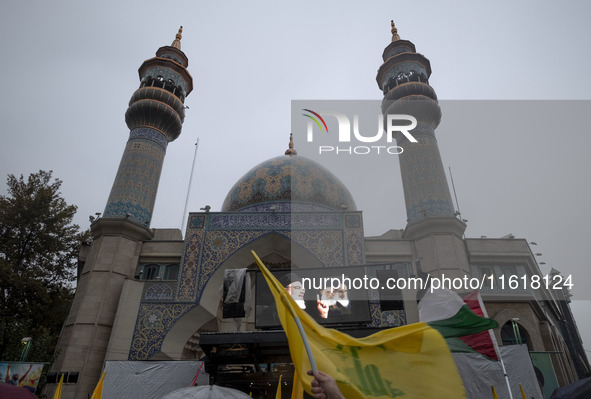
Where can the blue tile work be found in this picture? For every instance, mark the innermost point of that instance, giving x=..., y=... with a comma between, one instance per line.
x=354, y=247
x=173, y=57
x=288, y=179
x=376, y=313
x=326, y=245
x=353, y=220
x=158, y=291
x=197, y=222
x=274, y=221
x=393, y=318
x=249, y=221
x=187, y=283
x=149, y=134
x=211, y=239
x=426, y=191
x=153, y=322
x=137, y=213
x=136, y=183
x=211, y=259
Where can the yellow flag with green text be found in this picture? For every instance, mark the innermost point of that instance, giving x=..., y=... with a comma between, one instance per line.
x=411, y=361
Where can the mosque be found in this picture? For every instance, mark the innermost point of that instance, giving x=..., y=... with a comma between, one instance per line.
x=148, y=294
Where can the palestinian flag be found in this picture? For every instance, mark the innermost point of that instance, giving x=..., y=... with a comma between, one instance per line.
x=463, y=323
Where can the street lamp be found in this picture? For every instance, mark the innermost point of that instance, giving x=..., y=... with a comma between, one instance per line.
x=26, y=342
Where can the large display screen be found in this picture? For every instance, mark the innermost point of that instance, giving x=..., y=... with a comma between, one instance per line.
x=332, y=296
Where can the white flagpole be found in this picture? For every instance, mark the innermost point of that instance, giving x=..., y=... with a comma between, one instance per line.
x=302, y=332
x=189, y=188
x=496, y=346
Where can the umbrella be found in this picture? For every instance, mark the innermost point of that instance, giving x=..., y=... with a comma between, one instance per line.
x=14, y=392
x=578, y=390
x=207, y=392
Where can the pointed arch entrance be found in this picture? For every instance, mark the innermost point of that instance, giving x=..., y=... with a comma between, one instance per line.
x=274, y=248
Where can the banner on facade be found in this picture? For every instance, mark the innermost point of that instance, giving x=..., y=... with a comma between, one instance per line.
x=21, y=374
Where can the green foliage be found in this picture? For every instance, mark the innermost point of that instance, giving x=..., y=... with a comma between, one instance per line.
x=38, y=257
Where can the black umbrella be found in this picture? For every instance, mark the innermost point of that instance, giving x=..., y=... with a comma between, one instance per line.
x=577, y=390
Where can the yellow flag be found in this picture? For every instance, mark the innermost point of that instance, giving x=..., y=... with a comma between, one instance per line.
x=58, y=391
x=98, y=391
x=278, y=393
x=412, y=361
x=494, y=393
x=297, y=392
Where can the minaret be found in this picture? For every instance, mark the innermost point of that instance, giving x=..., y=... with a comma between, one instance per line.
x=432, y=222
x=155, y=117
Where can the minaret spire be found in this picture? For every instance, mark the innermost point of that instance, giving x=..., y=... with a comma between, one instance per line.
x=177, y=40
x=394, y=31
x=291, y=150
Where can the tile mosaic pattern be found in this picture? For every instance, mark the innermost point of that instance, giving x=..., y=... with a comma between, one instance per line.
x=158, y=291
x=289, y=179
x=154, y=320
x=426, y=191
x=136, y=183
x=393, y=318
x=149, y=134
x=212, y=238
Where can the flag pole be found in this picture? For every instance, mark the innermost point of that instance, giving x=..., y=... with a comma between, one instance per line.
x=302, y=332
x=496, y=346
x=198, y=371
x=286, y=301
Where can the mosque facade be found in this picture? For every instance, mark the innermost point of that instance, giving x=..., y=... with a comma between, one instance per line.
x=148, y=294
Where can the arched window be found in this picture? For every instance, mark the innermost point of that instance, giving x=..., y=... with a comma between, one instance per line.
x=512, y=333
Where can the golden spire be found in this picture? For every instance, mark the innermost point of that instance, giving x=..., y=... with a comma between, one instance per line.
x=177, y=41
x=291, y=150
x=395, y=36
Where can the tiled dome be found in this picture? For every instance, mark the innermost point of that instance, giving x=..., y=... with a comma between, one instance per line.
x=286, y=183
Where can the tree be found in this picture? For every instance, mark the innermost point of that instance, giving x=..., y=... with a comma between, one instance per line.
x=38, y=257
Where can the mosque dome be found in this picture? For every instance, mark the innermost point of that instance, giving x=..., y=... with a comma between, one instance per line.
x=289, y=183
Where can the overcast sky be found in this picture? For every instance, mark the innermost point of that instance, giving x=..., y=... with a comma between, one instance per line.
x=69, y=69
